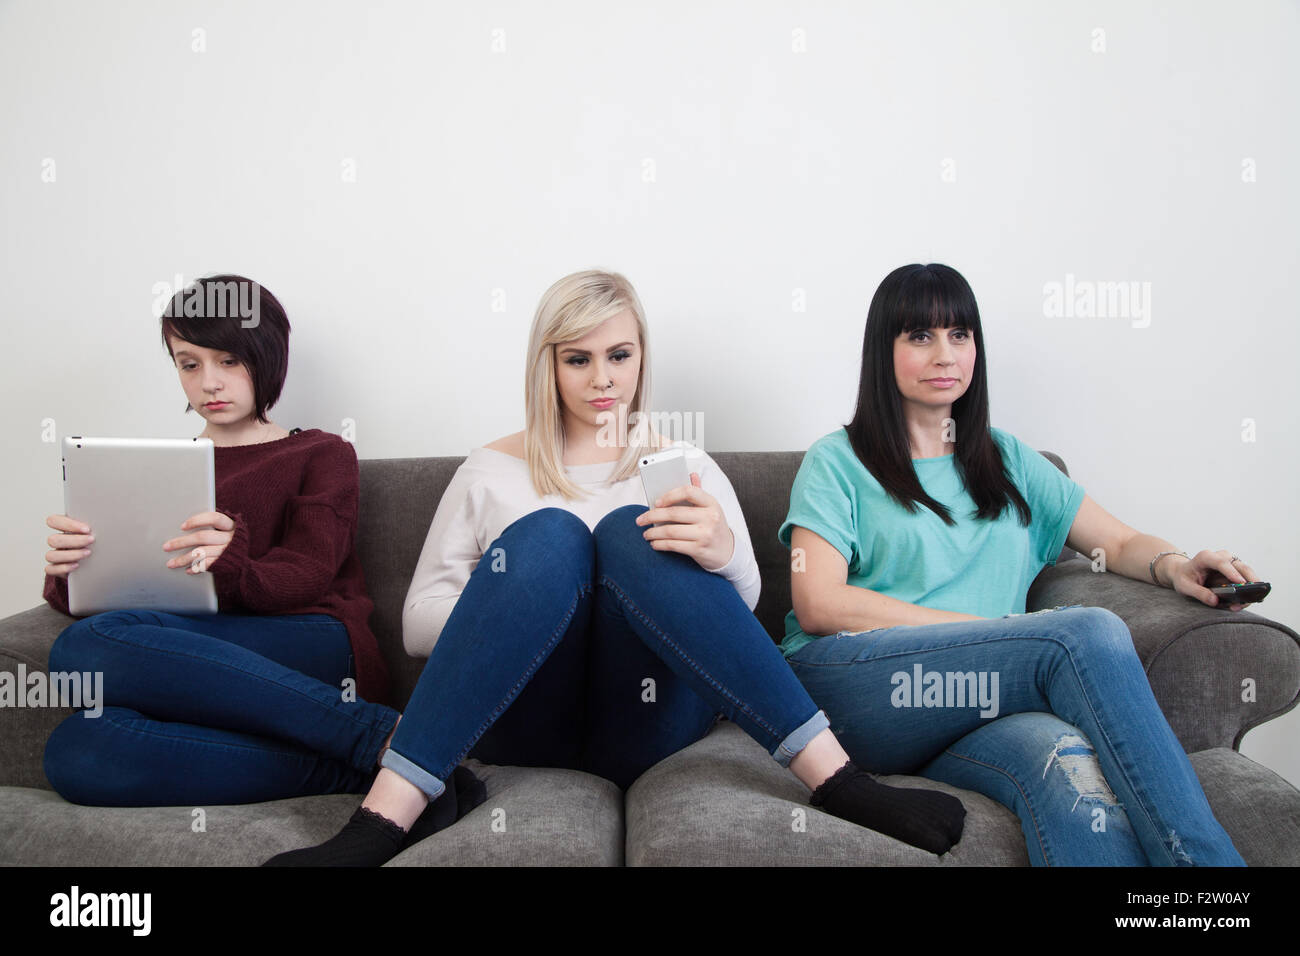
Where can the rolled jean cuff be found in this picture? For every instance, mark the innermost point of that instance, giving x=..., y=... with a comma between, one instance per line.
x=412, y=773
x=787, y=749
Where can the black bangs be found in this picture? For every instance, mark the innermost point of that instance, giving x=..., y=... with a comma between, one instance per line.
x=925, y=297
x=932, y=296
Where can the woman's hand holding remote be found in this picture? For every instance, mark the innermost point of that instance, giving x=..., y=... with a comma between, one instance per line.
x=1189, y=576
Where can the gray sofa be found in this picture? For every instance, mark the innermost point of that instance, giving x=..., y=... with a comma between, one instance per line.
x=722, y=801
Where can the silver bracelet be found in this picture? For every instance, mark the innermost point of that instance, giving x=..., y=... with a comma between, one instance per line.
x=1152, y=566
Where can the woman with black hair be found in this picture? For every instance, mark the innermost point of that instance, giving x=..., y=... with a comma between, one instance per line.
x=281, y=693
x=916, y=531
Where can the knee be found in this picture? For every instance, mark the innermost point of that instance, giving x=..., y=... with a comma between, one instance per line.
x=1037, y=726
x=1039, y=749
x=79, y=761
x=619, y=528
x=1095, y=630
x=620, y=521
x=1041, y=735
x=1029, y=734
x=81, y=646
x=1066, y=751
x=74, y=649
x=548, y=537
x=1059, y=764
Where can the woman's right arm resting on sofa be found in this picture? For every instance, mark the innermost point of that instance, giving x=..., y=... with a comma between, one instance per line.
x=450, y=554
x=825, y=603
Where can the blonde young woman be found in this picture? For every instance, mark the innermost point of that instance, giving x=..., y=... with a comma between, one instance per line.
x=546, y=595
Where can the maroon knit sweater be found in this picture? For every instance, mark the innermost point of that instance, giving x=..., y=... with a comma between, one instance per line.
x=294, y=504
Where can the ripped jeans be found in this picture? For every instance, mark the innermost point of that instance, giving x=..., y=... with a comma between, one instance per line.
x=1050, y=714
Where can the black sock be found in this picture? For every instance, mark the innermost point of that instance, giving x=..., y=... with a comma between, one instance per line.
x=368, y=839
x=464, y=792
x=924, y=818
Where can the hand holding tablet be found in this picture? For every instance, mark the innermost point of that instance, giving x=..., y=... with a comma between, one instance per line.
x=211, y=533
x=68, y=547
x=135, y=494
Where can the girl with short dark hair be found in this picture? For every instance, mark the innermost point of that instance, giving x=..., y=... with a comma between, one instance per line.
x=281, y=693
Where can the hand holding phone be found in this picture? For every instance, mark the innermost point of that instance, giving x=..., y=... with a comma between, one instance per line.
x=705, y=534
x=661, y=472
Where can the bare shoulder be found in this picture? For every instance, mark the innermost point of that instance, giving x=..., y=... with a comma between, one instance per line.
x=510, y=444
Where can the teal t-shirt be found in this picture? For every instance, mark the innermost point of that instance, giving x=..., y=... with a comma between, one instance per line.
x=975, y=567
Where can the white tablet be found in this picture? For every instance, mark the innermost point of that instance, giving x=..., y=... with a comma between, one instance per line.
x=134, y=493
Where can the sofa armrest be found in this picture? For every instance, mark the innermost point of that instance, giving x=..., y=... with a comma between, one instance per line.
x=1215, y=673
x=25, y=642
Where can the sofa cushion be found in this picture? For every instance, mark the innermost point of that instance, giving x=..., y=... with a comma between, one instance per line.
x=532, y=817
x=25, y=643
x=724, y=801
x=1260, y=810
x=555, y=817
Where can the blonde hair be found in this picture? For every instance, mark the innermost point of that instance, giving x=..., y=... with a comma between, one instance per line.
x=570, y=309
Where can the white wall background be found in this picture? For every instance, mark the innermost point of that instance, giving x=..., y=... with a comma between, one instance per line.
x=724, y=155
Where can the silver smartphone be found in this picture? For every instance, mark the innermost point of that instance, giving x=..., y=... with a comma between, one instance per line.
x=134, y=493
x=662, y=471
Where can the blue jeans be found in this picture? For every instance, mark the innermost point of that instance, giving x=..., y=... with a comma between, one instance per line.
x=1070, y=736
x=593, y=651
x=213, y=709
